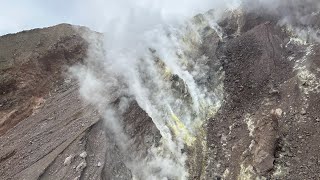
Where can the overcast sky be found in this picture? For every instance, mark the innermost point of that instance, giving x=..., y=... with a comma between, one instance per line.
x=18, y=15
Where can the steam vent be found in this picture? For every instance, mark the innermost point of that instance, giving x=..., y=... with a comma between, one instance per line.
x=230, y=92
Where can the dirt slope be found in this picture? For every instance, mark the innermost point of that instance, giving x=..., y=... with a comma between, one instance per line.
x=31, y=64
x=46, y=131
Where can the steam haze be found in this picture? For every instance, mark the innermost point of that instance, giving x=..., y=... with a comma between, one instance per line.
x=131, y=29
x=145, y=45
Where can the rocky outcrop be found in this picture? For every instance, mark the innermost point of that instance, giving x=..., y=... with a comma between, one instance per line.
x=265, y=143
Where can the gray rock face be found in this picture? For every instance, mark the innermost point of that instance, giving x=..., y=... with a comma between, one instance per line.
x=266, y=138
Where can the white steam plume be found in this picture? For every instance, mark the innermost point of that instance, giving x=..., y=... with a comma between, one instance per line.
x=146, y=54
x=298, y=16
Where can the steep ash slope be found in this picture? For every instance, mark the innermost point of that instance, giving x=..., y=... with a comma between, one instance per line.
x=47, y=132
x=31, y=64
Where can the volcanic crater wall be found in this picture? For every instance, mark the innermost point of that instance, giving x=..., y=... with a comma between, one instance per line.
x=267, y=126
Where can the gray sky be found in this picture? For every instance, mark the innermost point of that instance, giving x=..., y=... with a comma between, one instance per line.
x=18, y=15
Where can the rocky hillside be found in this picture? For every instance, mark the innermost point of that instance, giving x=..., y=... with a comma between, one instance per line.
x=46, y=131
x=267, y=127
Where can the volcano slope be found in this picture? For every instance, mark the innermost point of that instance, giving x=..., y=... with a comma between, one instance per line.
x=267, y=126
x=269, y=123
x=46, y=130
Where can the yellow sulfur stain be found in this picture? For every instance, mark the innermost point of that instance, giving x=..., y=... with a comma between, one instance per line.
x=246, y=173
x=180, y=130
x=167, y=73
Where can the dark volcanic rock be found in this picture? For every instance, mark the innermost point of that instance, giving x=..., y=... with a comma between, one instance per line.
x=264, y=127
